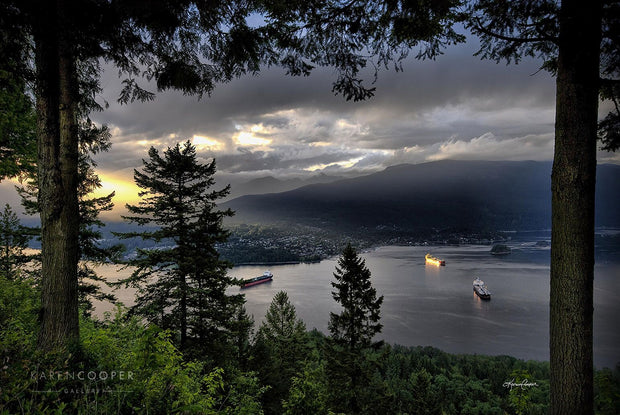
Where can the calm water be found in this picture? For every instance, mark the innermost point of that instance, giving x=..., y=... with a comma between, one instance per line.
x=435, y=306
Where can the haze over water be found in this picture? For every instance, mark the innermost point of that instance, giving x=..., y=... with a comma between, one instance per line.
x=435, y=306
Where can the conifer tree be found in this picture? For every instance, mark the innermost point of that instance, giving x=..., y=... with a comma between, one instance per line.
x=93, y=140
x=188, y=46
x=182, y=286
x=351, y=334
x=13, y=241
x=357, y=324
x=578, y=42
x=281, y=349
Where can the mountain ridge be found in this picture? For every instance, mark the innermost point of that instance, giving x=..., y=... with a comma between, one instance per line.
x=446, y=193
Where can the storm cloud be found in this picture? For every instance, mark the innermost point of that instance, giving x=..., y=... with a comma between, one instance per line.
x=456, y=106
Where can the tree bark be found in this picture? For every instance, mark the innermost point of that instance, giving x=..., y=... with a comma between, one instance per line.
x=57, y=174
x=573, y=184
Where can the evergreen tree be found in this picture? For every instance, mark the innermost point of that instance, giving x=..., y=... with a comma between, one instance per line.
x=189, y=46
x=578, y=42
x=18, y=142
x=357, y=324
x=93, y=140
x=182, y=286
x=280, y=350
x=349, y=371
x=14, y=240
x=309, y=391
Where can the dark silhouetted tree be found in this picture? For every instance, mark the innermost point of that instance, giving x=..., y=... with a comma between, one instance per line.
x=182, y=286
x=358, y=323
x=189, y=46
x=92, y=252
x=352, y=332
x=579, y=43
x=14, y=238
x=281, y=350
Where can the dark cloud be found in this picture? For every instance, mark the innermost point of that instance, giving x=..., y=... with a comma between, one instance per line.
x=274, y=123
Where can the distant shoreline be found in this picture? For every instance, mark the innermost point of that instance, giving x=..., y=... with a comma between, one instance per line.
x=248, y=264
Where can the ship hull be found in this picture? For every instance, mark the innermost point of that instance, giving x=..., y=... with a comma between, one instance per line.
x=482, y=295
x=434, y=261
x=267, y=277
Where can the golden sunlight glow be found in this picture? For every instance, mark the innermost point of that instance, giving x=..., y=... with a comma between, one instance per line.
x=206, y=142
x=344, y=124
x=320, y=144
x=434, y=261
x=344, y=164
x=126, y=191
x=245, y=138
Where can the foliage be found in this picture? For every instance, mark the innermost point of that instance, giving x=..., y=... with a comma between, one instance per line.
x=14, y=238
x=152, y=376
x=17, y=118
x=279, y=350
x=93, y=140
x=351, y=334
x=124, y=367
x=183, y=287
x=157, y=380
x=358, y=322
x=607, y=391
x=309, y=392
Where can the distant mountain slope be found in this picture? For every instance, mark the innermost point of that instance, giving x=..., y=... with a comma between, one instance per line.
x=449, y=193
x=269, y=184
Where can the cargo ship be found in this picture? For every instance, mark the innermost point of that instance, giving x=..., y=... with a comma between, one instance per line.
x=434, y=261
x=481, y=290
x=266, y=277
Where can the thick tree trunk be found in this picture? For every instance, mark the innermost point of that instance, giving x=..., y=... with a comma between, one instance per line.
x=573, y=183
x=57, y=172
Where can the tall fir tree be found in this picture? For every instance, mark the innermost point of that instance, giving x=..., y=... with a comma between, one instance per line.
x=14, y=238
x=182, y=287
x=357, y=324
x=349, y=371
x=280, y=350
x=579, y=43
x=189, y=46
x=93, y=140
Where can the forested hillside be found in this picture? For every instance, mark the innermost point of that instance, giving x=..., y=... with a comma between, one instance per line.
x=479, y=195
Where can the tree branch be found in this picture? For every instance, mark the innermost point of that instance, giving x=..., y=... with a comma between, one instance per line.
x=488, y=32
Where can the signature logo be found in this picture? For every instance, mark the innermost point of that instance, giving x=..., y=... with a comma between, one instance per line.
x=521, y=384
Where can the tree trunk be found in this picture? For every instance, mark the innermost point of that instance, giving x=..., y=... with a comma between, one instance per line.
x=183, y=306
x=573, y=184
x=57, y=173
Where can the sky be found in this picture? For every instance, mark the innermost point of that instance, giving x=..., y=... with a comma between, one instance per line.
x=455, y=107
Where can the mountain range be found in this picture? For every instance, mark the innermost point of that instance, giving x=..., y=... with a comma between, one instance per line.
x=480, y=195
x=270, y=184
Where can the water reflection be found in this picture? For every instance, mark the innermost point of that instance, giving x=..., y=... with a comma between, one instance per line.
x=479, y=303
x=431, y=306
